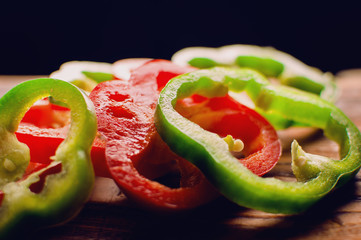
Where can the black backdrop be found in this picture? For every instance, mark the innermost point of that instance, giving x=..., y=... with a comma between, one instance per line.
x=35, y=38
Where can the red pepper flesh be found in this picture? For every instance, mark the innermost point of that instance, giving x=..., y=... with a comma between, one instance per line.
x=225, y=116
x=45, y=126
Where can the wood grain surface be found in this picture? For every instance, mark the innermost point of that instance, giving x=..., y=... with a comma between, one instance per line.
x=109, y=215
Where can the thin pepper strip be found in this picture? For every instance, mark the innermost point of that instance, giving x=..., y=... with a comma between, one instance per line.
x=317, y=175
x=66, y=183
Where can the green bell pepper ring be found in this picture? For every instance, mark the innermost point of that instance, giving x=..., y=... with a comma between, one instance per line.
x=316, y=175
x=271, y=62
x=267, y=60
x=25, y=205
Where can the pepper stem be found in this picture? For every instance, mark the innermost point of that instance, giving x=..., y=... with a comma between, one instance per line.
x=306, y=166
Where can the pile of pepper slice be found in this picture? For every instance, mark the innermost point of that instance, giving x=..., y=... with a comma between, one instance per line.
x=126, y=130
x=214, y=143
x=125, y=116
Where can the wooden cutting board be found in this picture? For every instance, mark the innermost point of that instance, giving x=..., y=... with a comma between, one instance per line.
x=109, y=215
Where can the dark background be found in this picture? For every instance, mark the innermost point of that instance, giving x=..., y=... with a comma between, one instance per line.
x=35, y=38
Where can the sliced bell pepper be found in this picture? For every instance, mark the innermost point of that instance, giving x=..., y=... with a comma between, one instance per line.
x=122, y=69
x=84, y=74
x=87, y=74
x=267, y=60
x=33, y=198
x=272, y=63
x=133, y=153
x=125, y=112
x=316, y=175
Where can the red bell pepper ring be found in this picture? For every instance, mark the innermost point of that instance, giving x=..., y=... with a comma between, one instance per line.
x=134, y=151
x=127, y=123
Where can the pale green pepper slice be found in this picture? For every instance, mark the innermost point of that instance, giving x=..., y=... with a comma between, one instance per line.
x=65, y=191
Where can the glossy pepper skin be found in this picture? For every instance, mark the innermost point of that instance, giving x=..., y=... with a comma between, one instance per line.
x=134, y=156
x=316, y=175
x=134, y=152
x=34, y=198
